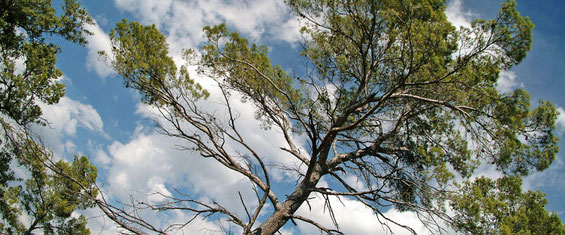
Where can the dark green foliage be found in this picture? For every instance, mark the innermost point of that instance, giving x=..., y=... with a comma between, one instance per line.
x=47, y=193
x=487, y=206
x=246, y=68
x=393, y=94
x=141, y=57
x=27, y=27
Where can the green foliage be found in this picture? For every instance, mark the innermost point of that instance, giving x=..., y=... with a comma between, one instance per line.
x=441, y=82
x=246, y=68
x=486, y=206
x=27, y=71
x=392, y=93
x=141, y=57
x=47, y=196
x=45, y=193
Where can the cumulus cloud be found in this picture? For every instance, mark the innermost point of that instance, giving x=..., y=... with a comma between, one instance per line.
x=150, y=165
x=64, y=118
x=99, y=41
x=74, y=112
x=457, y=15
x=184, y=20
x=355, y=218
x=487, y=170
x=149, y=11
x=101, y=157
x=507, y=82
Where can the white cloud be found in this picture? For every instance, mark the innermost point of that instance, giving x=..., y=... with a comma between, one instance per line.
x=288, y=31
x=99, y=41
x=486, y=170
x=150, y=164
x=151, y=12
x=64, y=118
x=71, y=110
x=507, y=82
x=101, y=19
x=456, y=15
x=99, y=223
x=560, y=123
x=357, y=183
x=158, y=190
x=101, y=157
x=20, y=65
x=70, y=146
x=355, y=218
x=183, y=20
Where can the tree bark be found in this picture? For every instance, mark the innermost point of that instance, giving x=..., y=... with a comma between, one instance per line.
x=31, y=227
x=291, y=204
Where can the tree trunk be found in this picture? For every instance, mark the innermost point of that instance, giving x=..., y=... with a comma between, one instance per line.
x=31, y=227
x=291, y=204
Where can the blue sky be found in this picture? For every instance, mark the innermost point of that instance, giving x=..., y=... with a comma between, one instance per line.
x=101, y=119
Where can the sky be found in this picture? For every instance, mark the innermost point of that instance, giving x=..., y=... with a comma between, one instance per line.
x=105, y=121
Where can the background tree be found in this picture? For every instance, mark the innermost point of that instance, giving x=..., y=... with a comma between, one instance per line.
x=48, y=192
x=487, y=206
x=27, y=27
x=392, y=94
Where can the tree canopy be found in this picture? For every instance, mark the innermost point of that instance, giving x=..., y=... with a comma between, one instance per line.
x=27, y=27
x=487, y=206
x=391, y=93
x=46, y=199
x=45, y=193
